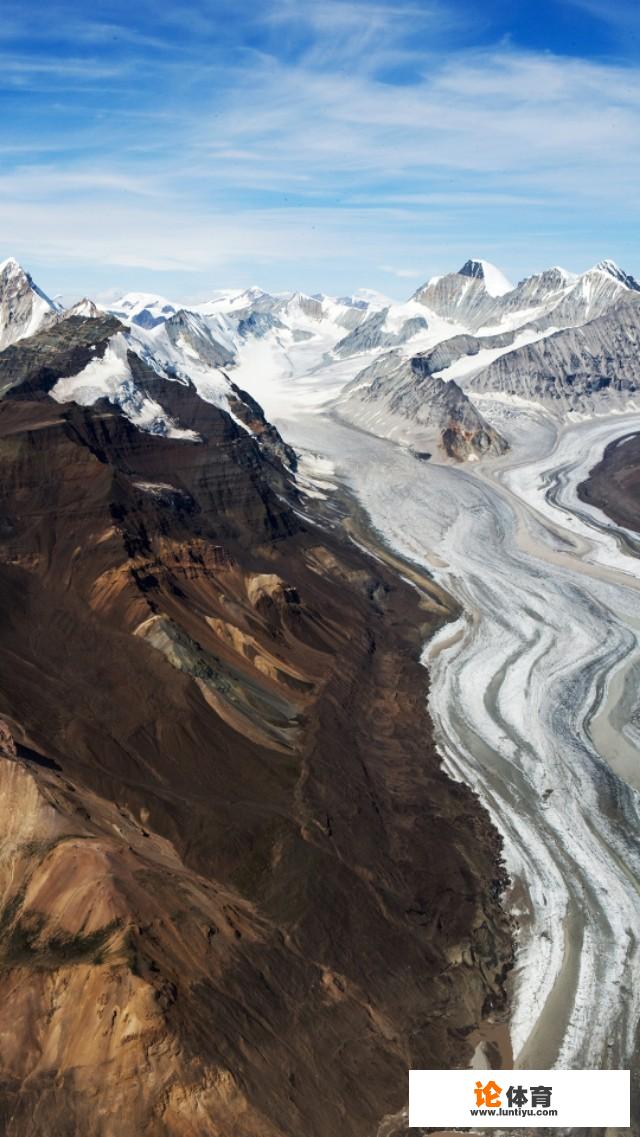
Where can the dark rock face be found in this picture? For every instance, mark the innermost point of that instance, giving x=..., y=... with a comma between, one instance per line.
x=35, y=364
x=146, y=319
x=229, y=851
x=613, y=484
x=251, y=413
x=472, y=268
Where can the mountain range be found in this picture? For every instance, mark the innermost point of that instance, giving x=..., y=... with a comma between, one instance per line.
x=563, y=341
x=230, y=850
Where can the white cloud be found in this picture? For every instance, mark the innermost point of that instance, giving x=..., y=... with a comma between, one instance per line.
x=372, y=138
x=44, y=182
x=504, y=115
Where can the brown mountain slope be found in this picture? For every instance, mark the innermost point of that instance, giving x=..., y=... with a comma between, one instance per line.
x=238, y=895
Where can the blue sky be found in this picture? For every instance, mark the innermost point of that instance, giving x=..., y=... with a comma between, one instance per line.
x=324, y=146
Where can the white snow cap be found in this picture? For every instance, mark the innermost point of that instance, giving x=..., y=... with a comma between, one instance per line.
x=84, y=307
x=12, y=264
x=608, y=265
x=495, y=281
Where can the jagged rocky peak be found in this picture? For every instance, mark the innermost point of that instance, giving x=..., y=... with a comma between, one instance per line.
x=618, y=273
x=85, y=308
x=24, y=308
x=470, y=297
x=544, y=288
x=548, y=279
x=166, y=381
x=478, y=298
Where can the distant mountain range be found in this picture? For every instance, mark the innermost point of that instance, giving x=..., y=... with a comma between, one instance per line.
x=410, y=371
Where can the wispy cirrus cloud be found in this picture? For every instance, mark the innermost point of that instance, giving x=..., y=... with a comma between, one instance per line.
x=314, y=138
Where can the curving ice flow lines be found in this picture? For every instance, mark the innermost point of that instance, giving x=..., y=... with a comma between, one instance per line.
x=533, y=696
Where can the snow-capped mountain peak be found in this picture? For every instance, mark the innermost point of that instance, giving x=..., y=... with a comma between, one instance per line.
x=10, y=266
x=143, y=308
x=24, y=308
x=612, y=269
x=85, y=308
x=559, y=274
x=229, y=300
x=494, y=280
x=474, y=315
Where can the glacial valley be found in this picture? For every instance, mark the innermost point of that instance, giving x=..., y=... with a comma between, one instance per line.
x=355, y=550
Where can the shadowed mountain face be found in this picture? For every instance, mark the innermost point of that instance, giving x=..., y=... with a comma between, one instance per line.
x=34, y=365
x=238, y=894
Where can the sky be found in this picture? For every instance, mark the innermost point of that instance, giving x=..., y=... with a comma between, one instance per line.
x=323, y=146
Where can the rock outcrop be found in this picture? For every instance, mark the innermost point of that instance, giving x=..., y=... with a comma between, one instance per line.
x=613, y=484
x=403, y=400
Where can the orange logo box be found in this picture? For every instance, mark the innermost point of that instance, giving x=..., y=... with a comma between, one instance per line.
x=488, y=1095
